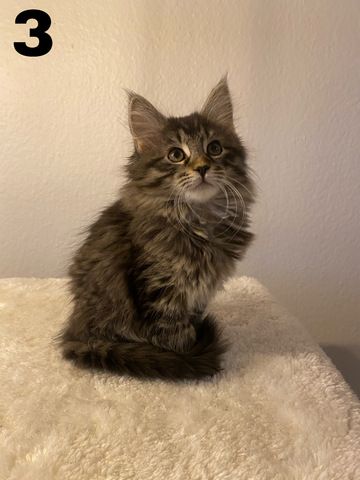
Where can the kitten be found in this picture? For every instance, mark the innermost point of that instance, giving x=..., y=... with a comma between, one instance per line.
x=143, y=277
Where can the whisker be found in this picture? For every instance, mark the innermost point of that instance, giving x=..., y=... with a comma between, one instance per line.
x=236, y=194
x=234, y=216
x=235, y=180
x=180, y=214
x=243, y=205
x=226, y=212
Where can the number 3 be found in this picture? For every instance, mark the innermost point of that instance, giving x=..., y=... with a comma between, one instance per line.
x=45, y=41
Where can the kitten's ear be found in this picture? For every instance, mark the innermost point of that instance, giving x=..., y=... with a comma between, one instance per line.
x=218, y=106
x=145, y=122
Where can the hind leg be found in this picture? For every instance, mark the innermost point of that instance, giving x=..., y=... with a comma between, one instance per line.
x=170, y=333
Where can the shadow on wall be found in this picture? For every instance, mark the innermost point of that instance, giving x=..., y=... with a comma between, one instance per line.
x=347, y=361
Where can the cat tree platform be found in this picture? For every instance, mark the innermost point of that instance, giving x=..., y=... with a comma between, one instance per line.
x=279, y=411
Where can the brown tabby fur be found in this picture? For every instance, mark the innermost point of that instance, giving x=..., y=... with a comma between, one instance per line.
x=143, y=276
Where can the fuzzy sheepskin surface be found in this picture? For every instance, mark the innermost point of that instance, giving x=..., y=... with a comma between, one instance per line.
x=280, y=410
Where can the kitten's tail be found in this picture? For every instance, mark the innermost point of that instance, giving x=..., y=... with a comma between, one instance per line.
x=144, y=360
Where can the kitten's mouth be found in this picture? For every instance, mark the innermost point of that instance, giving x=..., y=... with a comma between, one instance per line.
x=201, y=183
x=201, y=191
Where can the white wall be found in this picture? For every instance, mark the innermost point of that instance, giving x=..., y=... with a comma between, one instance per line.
x=294, y=69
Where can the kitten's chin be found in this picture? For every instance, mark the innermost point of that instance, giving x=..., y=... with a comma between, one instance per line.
x=201, y=193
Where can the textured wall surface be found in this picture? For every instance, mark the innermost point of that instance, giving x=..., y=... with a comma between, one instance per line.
x=294, y=70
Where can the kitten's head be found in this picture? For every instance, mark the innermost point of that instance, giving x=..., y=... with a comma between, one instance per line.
x=195, y=157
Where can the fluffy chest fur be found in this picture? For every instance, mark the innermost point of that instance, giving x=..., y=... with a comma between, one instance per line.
x=186, y=258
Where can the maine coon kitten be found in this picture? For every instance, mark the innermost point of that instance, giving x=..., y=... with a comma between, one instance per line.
x=142, y=278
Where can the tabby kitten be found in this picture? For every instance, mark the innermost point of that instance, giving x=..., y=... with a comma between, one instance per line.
x=143, y=277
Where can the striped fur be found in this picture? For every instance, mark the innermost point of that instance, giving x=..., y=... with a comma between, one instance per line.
x=143, y=276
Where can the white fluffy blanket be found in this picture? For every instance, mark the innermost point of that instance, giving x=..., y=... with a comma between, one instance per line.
x=279, y=411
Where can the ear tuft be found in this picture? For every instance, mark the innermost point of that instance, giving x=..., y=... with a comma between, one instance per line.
x=145, y=122
x=218, y=106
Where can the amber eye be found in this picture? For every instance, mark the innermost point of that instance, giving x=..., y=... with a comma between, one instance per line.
x=176, y=155
x=214, y=148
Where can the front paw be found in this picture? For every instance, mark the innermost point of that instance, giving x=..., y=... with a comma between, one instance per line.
x=196, y=318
